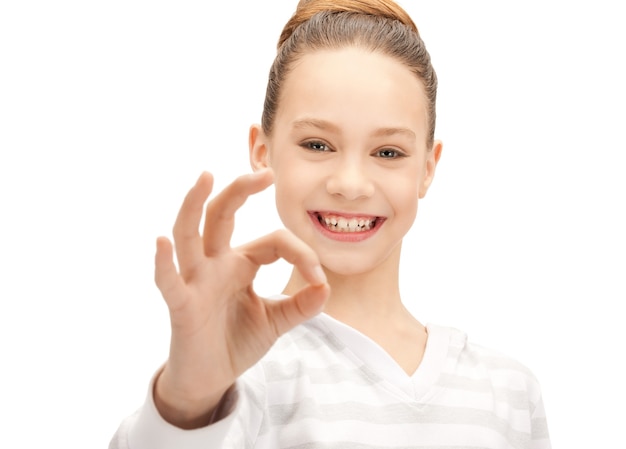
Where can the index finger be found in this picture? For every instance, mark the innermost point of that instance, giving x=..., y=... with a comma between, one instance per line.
x=220, y=212
x=284, y=244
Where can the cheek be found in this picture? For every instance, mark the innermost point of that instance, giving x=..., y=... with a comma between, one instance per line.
x=289, y=195
x=294, y=179
x=403, y=196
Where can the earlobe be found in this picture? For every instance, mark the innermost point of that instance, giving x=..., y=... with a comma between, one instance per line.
x=257, y=142
x=432, y=159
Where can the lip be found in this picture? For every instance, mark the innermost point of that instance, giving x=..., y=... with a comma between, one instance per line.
x=351, y=237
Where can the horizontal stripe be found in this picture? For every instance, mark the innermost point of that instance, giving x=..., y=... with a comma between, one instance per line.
x=539, y=429
x=350, y=445
x=299, y=389
x=383, y=436
x=515, y=398
x=332, y=374
x=393, y=414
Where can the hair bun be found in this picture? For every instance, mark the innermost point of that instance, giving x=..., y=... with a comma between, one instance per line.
x=308, y=8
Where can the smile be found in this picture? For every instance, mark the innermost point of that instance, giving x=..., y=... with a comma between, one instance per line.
x=345, y=224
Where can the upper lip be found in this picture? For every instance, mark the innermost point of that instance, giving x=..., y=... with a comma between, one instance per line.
x=326, y=213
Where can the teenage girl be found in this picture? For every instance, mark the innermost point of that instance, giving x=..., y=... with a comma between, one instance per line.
x=336, y=360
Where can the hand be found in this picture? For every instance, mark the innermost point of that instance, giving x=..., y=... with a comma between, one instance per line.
x=220, y=326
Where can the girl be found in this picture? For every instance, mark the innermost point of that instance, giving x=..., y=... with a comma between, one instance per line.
x=336, y=361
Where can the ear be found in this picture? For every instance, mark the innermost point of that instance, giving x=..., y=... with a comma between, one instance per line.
x=432, y=159
x=259, y=153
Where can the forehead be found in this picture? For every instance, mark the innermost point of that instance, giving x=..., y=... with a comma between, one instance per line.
x=353, y=86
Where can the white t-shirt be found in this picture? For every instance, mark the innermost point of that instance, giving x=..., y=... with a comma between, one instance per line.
x=325, y=385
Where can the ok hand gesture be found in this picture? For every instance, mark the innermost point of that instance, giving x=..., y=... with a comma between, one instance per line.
x=220, y=326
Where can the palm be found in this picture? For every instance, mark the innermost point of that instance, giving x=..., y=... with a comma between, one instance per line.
x=236, y=320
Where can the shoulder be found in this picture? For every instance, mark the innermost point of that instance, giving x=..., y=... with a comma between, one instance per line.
x=487, y=385
x=473, y=366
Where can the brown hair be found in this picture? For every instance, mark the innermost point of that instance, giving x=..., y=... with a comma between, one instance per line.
x=376, y=25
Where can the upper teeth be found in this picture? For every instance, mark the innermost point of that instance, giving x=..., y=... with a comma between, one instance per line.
x=342, y=224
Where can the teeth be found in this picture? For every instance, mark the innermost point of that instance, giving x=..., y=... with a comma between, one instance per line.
x=340, y=224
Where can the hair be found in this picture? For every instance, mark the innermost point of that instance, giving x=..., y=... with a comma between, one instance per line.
x=376, y=25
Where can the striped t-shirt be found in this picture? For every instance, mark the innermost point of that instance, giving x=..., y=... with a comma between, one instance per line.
x=325, y=385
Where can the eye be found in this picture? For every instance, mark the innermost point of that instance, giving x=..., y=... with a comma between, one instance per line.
x=316, y=146
x=388, y=153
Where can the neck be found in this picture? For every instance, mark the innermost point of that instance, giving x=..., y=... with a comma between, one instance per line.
x=370, y=303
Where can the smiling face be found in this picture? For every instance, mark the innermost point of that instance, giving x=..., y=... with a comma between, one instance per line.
x=349, y=154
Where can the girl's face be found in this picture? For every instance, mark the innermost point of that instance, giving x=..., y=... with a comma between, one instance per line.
x=349, y=154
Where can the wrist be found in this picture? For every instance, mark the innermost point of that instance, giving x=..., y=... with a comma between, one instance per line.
x=188, y=408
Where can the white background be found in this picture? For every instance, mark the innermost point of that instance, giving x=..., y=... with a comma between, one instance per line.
x=110, y=110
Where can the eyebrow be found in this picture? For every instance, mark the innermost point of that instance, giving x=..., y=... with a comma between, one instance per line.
x=315, y=123
x=325, y=125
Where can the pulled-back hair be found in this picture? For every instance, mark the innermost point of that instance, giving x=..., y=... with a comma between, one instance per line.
x=376, y=25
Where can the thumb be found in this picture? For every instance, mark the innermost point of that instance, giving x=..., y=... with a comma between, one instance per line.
x=288, y=313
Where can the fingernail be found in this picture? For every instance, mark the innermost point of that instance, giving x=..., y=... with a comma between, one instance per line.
x=319, y=275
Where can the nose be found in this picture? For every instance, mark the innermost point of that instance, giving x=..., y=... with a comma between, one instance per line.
x=350, y=180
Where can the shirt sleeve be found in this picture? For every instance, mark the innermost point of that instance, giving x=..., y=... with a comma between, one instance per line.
x=539, y=427
x=146, y=429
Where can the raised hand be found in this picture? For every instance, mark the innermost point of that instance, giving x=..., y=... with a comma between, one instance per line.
x=220, y=327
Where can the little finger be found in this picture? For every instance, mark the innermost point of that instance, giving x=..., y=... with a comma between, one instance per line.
x=166, y=276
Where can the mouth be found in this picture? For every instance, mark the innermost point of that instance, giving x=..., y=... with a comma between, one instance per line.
x=347, y=224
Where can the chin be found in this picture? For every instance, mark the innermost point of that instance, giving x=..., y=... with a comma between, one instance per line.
x=351, y=264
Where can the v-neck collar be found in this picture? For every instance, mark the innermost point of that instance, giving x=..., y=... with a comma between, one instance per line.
x=417, y=385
